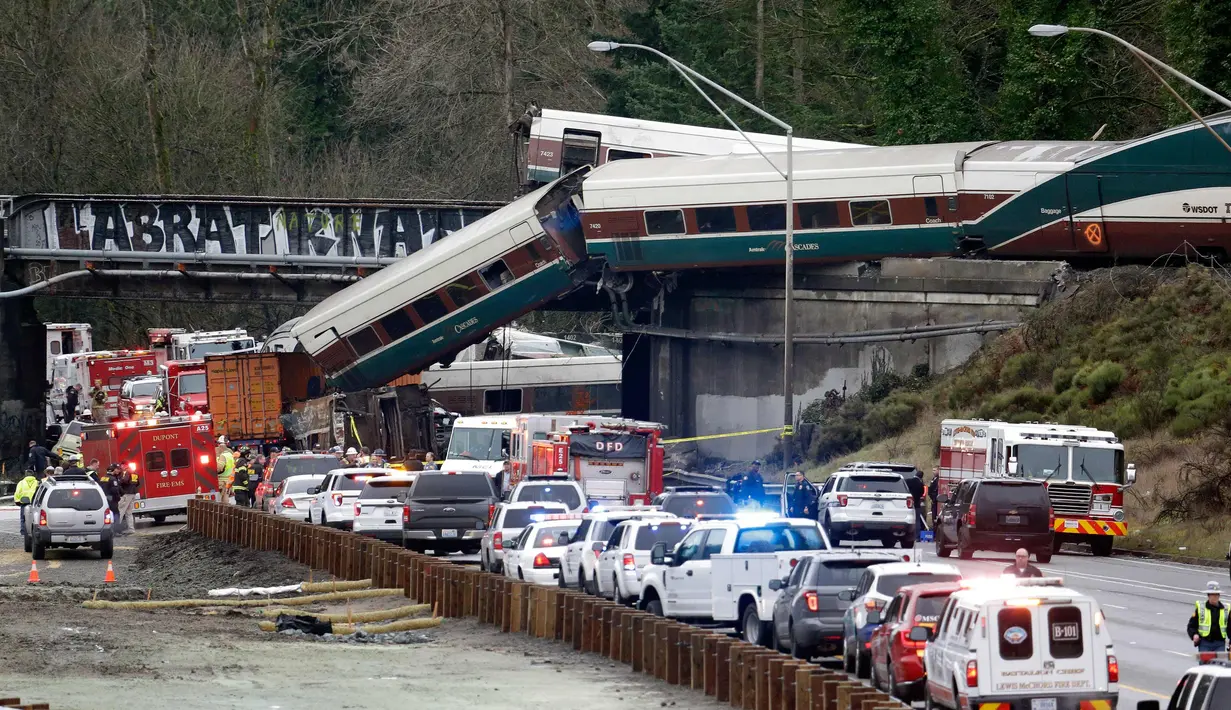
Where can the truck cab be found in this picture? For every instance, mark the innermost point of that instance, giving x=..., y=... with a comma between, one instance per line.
x=721, y=570
x=138, y=397
x=185, y=384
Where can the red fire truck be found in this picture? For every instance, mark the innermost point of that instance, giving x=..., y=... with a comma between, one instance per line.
x=614, y=463
x=173, y=458
x=160, y=342
x=184, y=383
x=108, y=371
x=1083, y=468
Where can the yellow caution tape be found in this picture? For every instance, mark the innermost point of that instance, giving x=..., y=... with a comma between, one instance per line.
x=721, y=436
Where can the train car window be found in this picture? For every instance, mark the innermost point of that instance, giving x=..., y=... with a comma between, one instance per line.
x=664, y=222
x=818, y=215
x=580, y=148
x=463, y=291
x=871, y=212
x=397, y=325
x=501, y=401
x=430, y=308
x=364, y=341
x=715, y=220
x=929, y=205
x=767, y=218
x=496, y=274
x=617, y=154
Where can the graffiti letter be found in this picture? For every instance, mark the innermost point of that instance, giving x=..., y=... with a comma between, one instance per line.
x=109, y=226
x=147, y=236
x=251, y=218
x=176, y=223
x=216, y=228
x=365, y=220
x=399, y=227
x=319, y=221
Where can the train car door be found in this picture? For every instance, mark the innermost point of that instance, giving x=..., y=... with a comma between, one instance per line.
x=936, y=206
x=578, y=149
x=1086, y=223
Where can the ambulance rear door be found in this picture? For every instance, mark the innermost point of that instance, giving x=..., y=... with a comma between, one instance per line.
x=166, y=464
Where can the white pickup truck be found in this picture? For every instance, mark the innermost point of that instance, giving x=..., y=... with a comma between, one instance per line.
x=721, y=570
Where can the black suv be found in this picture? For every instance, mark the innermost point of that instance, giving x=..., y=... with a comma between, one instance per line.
x=998, y=514
x=448, y=512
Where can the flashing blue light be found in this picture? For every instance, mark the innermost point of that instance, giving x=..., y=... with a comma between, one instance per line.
x=598, y=509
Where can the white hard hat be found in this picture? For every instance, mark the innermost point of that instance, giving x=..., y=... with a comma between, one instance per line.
x=351, y=452
x=1212, y=588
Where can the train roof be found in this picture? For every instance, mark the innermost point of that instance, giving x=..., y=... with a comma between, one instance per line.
x=1040, y=155
x=634, y=132
x=421, y=262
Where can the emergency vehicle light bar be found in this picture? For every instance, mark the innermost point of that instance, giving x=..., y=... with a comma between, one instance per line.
x=178, y=419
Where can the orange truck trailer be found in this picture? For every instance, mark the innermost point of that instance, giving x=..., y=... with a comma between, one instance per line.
x=248, y=393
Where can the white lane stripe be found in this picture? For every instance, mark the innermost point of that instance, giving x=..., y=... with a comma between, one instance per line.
x=1113, y=606
x=1186, y=655
x=1152, y=586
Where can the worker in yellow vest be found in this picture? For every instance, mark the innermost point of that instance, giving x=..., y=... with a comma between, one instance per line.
x=1208, y=625
x=226, y=470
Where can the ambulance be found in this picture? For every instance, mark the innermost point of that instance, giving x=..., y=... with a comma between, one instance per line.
x=173, y=458
x=1020, y=644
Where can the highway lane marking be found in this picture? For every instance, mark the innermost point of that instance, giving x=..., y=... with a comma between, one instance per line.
x=1113, y=606
x=1150, y=693
x=1186, y=655
x=1151, y=586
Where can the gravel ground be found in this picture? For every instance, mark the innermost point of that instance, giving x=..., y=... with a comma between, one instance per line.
x=183, y=565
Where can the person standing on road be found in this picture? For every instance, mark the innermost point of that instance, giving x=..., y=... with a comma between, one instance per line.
x=92, y=470
x=98, y=404
x=240, y=482
x=24, y=493
x=351, y=459
x=130, y=485
x=71, y=399
x=74, y=465
x=506, y=470
x=1208, y=624
x=36, y=457
x=429, y=462
x=110, y=481
x=1021, y=566
x=378, y=459
x=933, y=491
x=226, y=470
x=914, y=484
x=802, y=502
x=753, y=486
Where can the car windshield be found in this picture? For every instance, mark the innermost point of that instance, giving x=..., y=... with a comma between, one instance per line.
x=669, y=532
x=287, y=466
x=841, y=573
x=549, y=535
x=690, y=506
x=521, y=517
x=299, y=484
x=889, y=584
x=780, y=538
x=927, y=609
x=352, y=482
x=386, y=489
x=144, y=389
x=549, y=493
x=1002, y=494
x=84, y=499
x=872, y=484
x=447, y=486
x=191, y=384
x=477, y=444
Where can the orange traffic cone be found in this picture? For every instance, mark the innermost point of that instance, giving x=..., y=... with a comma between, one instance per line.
x=110, y=574
x=33, y=578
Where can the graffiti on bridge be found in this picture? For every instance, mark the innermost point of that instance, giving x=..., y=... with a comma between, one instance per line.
x=185, y=228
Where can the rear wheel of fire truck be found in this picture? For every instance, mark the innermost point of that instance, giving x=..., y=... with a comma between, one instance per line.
x=1101, y=546
x=160, y=519
x=106, y=549
x=1043, y=556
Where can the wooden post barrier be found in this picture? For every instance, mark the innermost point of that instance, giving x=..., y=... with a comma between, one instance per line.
x=671, y=654
x=769, y=686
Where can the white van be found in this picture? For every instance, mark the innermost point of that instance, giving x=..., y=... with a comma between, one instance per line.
x=1030, y=644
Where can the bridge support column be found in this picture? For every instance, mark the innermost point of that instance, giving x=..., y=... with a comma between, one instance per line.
x=22, y=376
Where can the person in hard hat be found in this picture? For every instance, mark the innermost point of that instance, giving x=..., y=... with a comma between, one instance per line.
x=98, y=404
x=242, y=479
x=429, y=462
x=74, y=466
x=24, y=493
x=226, y=470
x=351, y=459
x=378, y=459
x=1208, y=624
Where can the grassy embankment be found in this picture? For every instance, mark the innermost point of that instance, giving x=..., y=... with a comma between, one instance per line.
x=1144, y=353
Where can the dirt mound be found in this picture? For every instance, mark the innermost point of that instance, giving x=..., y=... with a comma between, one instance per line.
x=183, y=564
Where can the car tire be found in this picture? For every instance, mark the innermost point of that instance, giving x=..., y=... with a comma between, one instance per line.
x=38, y=550
x=863, y=664
x=589, y=586
x=615, y=592
x=963, y=552
x=560, y=579
x=888, y=541
x=874, y=676
x=520, y=576
x=471, y=550
x=803, y=653
x=25, y=542
x=908, y=541
x=1043, y=556
x=106, y=550
x=483, y=564
x=891, y=683
x=1102, y=546
x=752, y=629
x=928, y=704
x=848, y=658
x=942, y=550
x=654, y=607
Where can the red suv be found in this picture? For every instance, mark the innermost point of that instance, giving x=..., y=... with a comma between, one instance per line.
x=897, y=661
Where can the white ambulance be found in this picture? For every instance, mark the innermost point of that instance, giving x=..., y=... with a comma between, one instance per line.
x=1020, y=644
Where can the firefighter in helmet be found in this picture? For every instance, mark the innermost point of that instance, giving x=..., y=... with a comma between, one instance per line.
x=226, y=469
x=240, y=483
x=98, y=403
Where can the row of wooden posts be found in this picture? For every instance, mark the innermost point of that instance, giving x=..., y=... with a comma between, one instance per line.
x=732, y=671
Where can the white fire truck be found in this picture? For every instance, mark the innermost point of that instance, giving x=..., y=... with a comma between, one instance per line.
x=1083, y=468
x=618, y=463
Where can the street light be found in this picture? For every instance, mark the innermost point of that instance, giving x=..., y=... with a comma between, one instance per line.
x=788, y=360
x=1056, y=30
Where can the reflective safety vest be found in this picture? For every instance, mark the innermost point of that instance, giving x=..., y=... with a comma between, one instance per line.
x=26, y=488
x=241, y=477
x=1203, y=620
x=227, y=461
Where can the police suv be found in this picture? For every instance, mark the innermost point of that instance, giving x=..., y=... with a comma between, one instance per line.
x=1028, y=644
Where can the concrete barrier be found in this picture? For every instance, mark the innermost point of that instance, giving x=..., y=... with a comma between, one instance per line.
x=729, y=670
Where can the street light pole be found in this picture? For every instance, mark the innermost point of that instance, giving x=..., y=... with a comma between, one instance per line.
x=788, y=303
